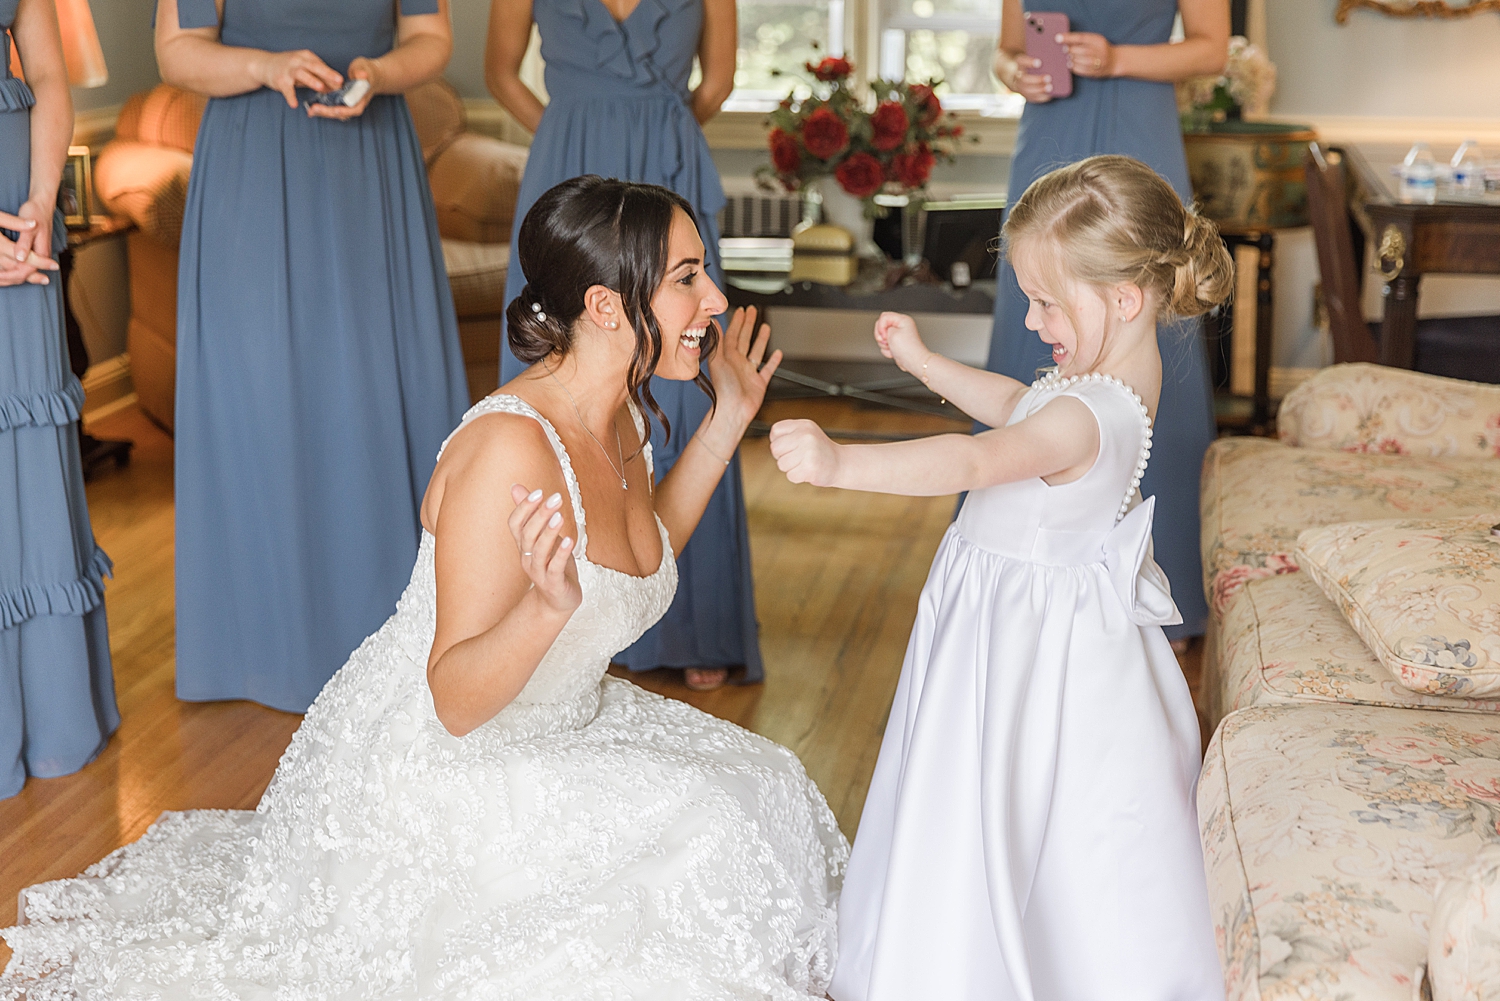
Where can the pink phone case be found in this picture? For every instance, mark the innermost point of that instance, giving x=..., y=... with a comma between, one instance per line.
x=1042, y=29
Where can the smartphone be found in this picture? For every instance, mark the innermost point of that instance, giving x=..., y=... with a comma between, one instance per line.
x=1042, y=29
x=350, y=94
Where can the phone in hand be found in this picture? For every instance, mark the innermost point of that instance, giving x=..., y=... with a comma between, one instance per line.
x=1042, y=29
x=347, y=96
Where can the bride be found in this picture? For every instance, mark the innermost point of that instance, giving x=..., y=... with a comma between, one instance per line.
x=471, y=808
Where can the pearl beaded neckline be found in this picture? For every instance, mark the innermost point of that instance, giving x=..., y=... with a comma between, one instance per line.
x=1055, y=380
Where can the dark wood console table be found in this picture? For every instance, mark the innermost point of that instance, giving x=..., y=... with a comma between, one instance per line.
x=768, y=292
x=1452, y=236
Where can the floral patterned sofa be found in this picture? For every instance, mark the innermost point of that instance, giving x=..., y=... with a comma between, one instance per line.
x=1334, y=799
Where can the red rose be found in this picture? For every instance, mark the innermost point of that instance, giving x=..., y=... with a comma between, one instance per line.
x=824, y=134
x=831, y=68
x=784, y=154
x=889, y=122
x=911, y=170
x=860, y=175
x=927, y=101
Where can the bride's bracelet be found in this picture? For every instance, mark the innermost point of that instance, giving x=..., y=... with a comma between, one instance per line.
x=699, y=439
x=925, y=379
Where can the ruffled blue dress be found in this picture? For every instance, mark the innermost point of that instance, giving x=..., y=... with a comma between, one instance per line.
x=1135, y=118
x=318, y=365
x=57, y=691
x=619, y=107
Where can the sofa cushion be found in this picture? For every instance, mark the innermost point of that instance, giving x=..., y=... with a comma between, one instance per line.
x=1326, y=832
x=170, y=117
x=475, y=183
x=146, y=183
x=1283, y=642
x=1371, y=408
x=476, y=273
x=1463, y=954
x=1424, y=595
x=1258, y=494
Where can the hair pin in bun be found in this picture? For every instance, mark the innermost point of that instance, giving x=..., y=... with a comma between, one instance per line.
x=536, y=308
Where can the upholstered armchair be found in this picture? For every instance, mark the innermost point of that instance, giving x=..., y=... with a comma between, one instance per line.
x=143, y=175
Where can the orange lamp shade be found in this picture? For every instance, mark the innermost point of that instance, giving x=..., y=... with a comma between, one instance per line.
x=81, y=50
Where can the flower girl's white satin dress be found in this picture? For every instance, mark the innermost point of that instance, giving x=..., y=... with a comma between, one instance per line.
x=1030, y=832
x=592, y=841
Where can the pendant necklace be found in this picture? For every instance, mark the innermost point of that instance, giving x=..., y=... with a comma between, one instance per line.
x=620, y=472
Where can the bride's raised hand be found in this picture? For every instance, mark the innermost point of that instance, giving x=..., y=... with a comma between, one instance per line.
x=546, y=555
x=739, y=377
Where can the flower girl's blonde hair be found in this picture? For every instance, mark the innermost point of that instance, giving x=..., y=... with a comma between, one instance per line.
x=1112, y=220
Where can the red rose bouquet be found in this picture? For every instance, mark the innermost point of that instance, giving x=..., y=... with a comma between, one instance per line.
x=831, y=133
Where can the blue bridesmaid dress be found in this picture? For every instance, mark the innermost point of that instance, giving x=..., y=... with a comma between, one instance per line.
x=1135, y=118
x=619, y=107
x=318, y=365
x=57, y=691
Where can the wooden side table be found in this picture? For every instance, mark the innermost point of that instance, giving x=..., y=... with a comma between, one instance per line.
x=94, y=451
x=1451, y=236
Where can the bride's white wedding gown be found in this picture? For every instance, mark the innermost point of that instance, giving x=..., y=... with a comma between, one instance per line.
x=591, y=841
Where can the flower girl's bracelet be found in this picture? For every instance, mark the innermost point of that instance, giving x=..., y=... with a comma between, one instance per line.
x=716, y=455
x=924, y=378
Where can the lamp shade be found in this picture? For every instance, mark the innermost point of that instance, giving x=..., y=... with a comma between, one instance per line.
x=81, y=48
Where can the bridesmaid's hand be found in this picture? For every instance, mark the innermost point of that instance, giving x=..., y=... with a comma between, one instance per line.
x=1036, y=88
x=22, y=266
x=804, y=453
x=359, y=69
x=546, y=557
x=1089, y=54
x=739, y=378
x=36, y=238
x=284, y=72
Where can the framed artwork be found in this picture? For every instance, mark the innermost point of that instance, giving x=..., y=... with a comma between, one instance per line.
x=77, y=183
x=1416, y=8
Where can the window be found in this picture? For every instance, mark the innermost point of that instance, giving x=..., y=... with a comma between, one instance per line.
x=948, y=40
x=776, y=38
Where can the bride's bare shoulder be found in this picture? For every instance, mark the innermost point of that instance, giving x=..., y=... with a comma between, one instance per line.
x=489, y=454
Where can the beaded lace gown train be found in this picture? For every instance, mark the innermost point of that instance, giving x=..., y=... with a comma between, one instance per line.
x=591, y=841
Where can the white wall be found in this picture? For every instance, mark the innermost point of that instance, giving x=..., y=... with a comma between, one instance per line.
x=124, y=28
x=1385, y=82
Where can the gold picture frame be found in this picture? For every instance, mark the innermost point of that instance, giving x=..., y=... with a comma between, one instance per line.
x=1416, y=8
x=73, y=196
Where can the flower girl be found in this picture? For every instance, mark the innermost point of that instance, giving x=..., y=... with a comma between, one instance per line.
x=1030, y=833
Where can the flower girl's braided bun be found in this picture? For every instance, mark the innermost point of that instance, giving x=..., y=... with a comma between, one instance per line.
x=1112, y=220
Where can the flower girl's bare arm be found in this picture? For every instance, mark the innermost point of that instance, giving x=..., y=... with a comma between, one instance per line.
x=1058, y=443
x=988, y=397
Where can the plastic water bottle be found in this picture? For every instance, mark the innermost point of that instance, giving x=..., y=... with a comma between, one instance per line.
x=1419, y=175
x=1468, y=169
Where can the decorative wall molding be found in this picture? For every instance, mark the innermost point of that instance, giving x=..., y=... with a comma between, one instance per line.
x=1400, y=131
x=1416, y=8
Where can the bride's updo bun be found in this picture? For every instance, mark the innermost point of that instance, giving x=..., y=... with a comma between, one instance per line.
x=591, y=231
x=1113, y=220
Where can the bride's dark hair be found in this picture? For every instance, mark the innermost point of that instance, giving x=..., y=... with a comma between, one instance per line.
x=590, y=231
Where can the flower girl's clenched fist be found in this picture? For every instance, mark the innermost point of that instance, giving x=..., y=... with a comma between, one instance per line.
x=804, y=452
x=897, y=335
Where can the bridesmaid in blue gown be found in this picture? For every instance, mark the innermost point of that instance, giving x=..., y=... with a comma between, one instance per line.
x=617, y=82
x=1122, y=102
x=318, y=361
x=57, y=693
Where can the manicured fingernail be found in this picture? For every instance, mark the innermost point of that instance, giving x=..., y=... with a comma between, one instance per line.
x=535, y=495
x=1048, y=78
x=1058, y=39
x=554, y=500
x=567, y=544
x=555, y=520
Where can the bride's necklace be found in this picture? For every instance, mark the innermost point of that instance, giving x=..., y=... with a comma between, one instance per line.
x=620, y=471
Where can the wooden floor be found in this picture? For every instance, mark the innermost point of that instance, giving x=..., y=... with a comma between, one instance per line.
x=837, y=579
